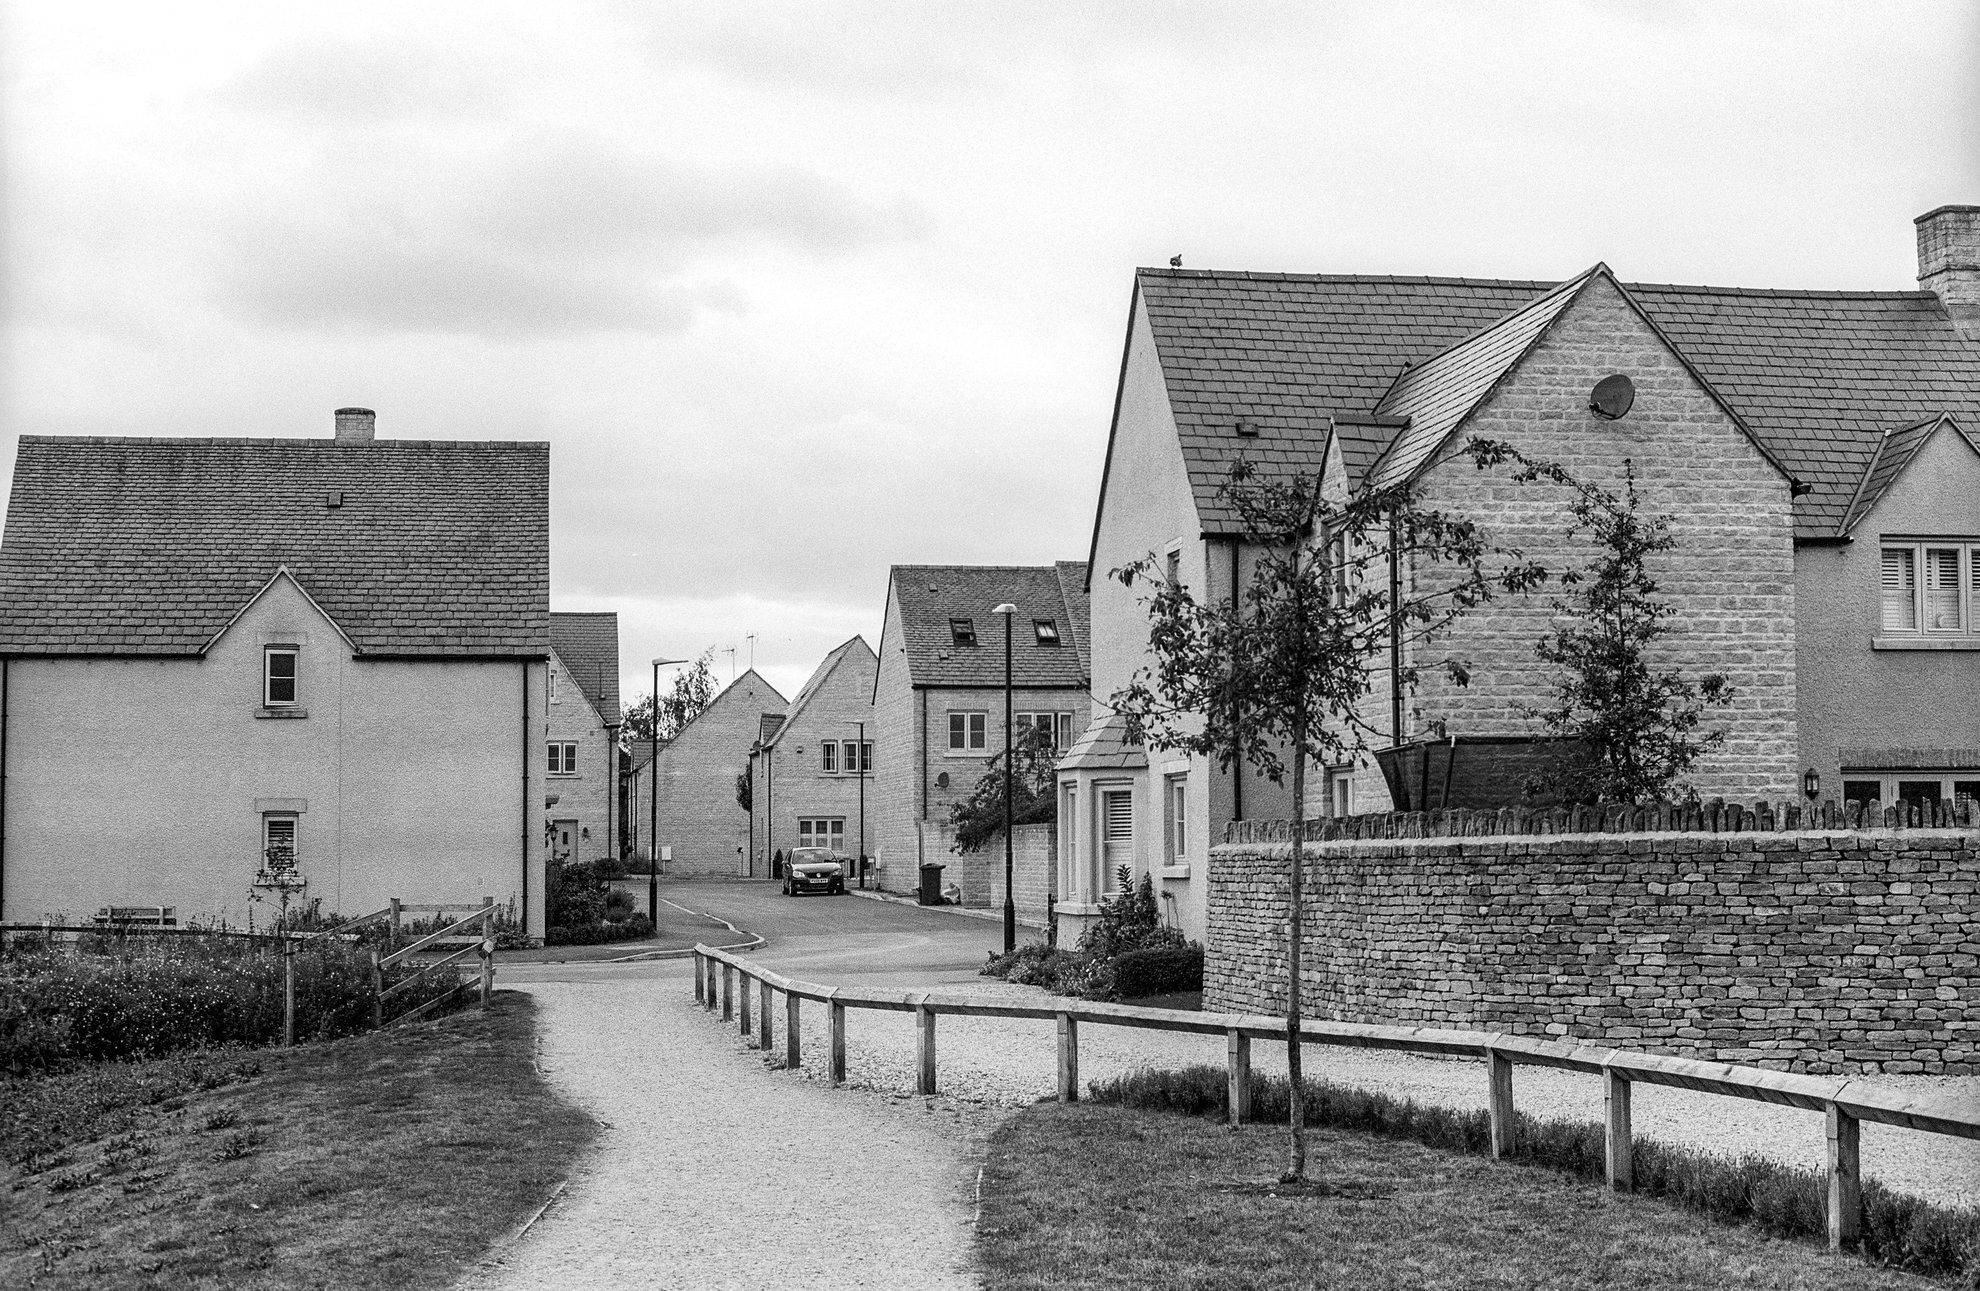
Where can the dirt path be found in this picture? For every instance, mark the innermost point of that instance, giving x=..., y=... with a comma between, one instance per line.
x=717, y=1172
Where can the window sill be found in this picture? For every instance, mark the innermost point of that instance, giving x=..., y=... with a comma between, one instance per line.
x=561, y=775
x=1175, y=871
x=967, y=753
x=1076, y=907
x=286, y=711
x=1925, y=643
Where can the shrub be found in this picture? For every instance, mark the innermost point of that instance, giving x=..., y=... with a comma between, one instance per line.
x=577, y=894
x=595, y=934
x=1158, y=970
x=1899, y=1230
x=1129, y=922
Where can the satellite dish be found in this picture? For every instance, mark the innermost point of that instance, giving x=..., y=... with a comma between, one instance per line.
x=1612, y=397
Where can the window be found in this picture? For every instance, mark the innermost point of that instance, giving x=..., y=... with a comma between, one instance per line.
x=1340, y=792
x=1861, y=790
x=963, y=631
x=1178, y=820
x=822, y=831
x=563, y=757
x=1337, y=568
x=853, y=763
x=1057, y=727
x=278, y=844
x=1172, y=568
x=1047, y=630
x=828, y=757
x=967, y=732
x=1930, y=588
x=278, y=676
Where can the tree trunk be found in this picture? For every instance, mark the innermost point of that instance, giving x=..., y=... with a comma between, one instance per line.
x=1296, y=1115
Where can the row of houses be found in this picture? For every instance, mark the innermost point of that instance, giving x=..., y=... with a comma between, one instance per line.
x=1818, y=453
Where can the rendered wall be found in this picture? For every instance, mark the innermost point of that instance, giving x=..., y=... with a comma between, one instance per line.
x=136, y=782
x=1812, y=951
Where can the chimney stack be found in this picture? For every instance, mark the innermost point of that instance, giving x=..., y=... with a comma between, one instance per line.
x=359, y=425
x=1949, y=263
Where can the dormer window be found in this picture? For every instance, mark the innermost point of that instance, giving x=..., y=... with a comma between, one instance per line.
x=1047, y=630
x=963, y=631
x=278, y=676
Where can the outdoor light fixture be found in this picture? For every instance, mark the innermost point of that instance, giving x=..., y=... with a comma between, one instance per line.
x=1010, y=784
x=1811, y=784
x=653, y=803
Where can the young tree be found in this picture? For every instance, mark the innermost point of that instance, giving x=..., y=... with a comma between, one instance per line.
x=692, y=690
x=1630, y=731
x=1280, y=672
x=1035, y=799
x=746, y=787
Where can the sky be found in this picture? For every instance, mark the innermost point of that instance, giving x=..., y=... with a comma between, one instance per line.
x=799, y=291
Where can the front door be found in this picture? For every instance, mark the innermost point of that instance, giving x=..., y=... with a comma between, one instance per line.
x=563, y=840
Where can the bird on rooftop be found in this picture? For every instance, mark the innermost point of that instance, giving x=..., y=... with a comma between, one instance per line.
x=1175, y=262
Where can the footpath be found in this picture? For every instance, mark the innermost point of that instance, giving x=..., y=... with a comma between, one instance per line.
x=716, y=1172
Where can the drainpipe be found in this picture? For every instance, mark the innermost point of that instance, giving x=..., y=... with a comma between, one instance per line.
x=525, y=799
x=1237, y=768
x=1395, y=642
x=4, y=678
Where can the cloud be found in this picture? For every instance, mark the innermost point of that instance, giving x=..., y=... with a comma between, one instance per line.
x=337, y=81
x=541, y=234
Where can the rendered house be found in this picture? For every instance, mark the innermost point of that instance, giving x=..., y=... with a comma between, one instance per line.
x=704, y=828
x=938, y=692
x=241, y=669
x=582, y=752
x=1816, y=451
x=812, y=771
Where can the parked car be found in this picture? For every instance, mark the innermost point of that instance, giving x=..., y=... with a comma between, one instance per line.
x=816, y=869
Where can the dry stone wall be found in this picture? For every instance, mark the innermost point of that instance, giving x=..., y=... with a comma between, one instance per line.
x=1817, y=951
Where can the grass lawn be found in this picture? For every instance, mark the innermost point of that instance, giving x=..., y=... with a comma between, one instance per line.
x=1107, y=1198
x=382, y=1160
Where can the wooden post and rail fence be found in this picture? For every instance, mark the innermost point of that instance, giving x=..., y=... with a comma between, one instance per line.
x=1845, y=1103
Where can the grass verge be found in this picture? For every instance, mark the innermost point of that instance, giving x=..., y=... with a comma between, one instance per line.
x=393, y=1158
x=1109, y=1198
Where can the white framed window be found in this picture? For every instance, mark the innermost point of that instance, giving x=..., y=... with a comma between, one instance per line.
x=968, y=732
x=563, y=757
x=828, y=756
x=1056, y=726
x=1929, y=587
x=822, y=831
x=1340, y=792
x=1888, y=788
x=278, y=676
x=850, y=760
x=1178, y=794
x=1069, y=841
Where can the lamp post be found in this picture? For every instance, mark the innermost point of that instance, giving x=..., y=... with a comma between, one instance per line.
x=1010, y=784
x=861, y=862
x=653, y=803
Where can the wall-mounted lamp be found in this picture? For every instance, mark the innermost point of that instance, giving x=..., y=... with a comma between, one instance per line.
x=1811, y=784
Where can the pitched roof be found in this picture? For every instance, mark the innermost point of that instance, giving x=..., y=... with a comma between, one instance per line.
x=153, y=546
x=738, y=691
x=930, y=596
x=1900, y=444
x=1816, y=376
x=817, y=680
x=1104, y=746
x=588, y=643
x=767, y=726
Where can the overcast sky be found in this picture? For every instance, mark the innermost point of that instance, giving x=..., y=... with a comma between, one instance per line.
x=799, y=291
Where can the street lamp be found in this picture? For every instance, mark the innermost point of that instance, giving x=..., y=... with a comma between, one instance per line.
x=1010, y=903
x=653, y=803
x=861, y=862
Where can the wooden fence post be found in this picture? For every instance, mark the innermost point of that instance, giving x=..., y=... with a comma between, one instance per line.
x=709, y=1001
x=838, y=1059
x=378, y=989
x=924, y=1049
x=793, y=1053
x=1068, y=1058
x=763, y=1024
x=288, y=994
x=1237, y=1046
x=729, y=994
x=742, y=1021
x=487, y=949
x=1499, y=1102
x=699, y=994
x=392, y=937
x=1845, y=1179
x=1621, y=1151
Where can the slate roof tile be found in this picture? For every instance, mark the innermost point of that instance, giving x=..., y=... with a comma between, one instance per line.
x=588, y=643
x=930, y=595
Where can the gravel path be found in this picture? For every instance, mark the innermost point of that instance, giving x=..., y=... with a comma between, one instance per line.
x=716, y=1172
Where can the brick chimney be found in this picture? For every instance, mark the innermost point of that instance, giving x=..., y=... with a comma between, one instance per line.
x=359, y=425
x=1949, y=263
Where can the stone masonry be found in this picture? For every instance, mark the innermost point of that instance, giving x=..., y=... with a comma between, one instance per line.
x=1816, y=951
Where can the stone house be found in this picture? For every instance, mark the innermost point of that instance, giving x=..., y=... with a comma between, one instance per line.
x=938, y=699
x=239, y=671
x=812, y=772
x=582, y=752
x=701, y=828
x=1815, y=449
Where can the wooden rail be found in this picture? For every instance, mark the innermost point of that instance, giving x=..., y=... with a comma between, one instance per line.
x=441, y=938
x=1844, y=1103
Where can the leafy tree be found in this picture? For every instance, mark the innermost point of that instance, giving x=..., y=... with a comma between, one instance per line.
x=692, y=690
x=980, y=817
x=746, y=786
x=1630, y=731
x=1279, y=674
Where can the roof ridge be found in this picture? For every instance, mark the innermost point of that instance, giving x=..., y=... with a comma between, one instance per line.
x=263, y=440
x=1259, y=275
